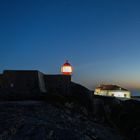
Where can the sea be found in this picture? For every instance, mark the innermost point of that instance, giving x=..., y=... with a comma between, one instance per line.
x=135, y=93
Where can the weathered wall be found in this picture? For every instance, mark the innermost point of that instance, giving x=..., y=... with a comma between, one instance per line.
x=1, y=81
x=22, y=81
x=41, y=82
x=30, y=81
x=58, y=83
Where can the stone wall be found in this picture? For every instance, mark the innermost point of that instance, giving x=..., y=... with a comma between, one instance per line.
x=58, y=83
x=1, y=81
x=33, y=81
x=22, y=81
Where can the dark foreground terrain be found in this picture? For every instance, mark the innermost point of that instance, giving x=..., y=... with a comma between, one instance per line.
x=36, y=120
x=79, y=115
x=124, y=115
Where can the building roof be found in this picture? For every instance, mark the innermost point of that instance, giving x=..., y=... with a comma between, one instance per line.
x=66, y=63
x=111, y=87
x=21, y=71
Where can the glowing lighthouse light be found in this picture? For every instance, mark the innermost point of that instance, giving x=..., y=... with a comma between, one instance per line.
x=66, y=68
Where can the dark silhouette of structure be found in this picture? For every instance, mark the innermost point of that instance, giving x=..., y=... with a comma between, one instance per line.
x=30, y=81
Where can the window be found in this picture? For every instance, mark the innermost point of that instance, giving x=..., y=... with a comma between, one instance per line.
x=11, y=85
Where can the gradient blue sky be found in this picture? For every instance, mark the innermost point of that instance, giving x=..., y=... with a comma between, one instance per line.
x=101, y=38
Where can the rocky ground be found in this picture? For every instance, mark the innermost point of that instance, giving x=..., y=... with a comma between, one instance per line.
x=79, y=115
x=36, y=120
x=124, y=115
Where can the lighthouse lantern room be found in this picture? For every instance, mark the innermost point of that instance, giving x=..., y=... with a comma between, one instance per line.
x=66, y=68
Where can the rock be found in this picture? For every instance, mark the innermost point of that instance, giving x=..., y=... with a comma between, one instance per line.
x=45, y=121
x=87, y=137
x=49, y=136
x=69, y=105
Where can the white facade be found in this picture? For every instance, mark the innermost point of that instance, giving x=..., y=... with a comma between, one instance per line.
x=112, y=90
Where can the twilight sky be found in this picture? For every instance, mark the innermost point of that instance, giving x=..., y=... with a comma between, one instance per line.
x=100, y=38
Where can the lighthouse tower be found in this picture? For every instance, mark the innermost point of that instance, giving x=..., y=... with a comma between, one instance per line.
x=66, y=68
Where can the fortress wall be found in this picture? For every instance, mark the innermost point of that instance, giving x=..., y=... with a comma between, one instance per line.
x=58, y=83
x=22, y=81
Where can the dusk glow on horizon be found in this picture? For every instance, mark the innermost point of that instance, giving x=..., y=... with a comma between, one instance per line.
x=101, y=39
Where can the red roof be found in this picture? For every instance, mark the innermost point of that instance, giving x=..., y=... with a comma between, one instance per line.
x=67, y=63
x=111, y=87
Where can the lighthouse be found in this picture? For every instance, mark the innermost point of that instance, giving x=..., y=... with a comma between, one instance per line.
x=66, y=68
